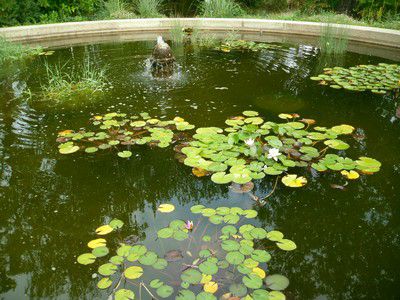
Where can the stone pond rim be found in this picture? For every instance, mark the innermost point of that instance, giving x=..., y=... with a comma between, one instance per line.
x=35, y=33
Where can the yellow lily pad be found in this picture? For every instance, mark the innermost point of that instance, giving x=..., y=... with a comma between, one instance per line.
x=259, y=272
x=166, y=208
x=103, y=230
x=293, y=180
x=97, y=243
x=211, y=287
x=352, y=175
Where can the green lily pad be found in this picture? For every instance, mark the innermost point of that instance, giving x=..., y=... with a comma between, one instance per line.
x=149, y=258
x=276, y=282
x=238, y=289
x=234, y=257
x=191, y=276
x=124, y=294
x=104, y=283
x=107, y=269
x=86, y=259
x=165, y=291
x=252, y=281
x=133, y=272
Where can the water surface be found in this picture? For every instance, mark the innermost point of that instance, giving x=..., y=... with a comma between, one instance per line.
x=348, y=241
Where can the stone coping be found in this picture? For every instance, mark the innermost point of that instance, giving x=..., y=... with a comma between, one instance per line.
x=63, y=31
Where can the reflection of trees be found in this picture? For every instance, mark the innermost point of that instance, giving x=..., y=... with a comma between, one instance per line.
x=347, y=245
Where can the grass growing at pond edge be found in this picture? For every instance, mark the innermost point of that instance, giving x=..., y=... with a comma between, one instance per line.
x=62, y=85
x=333, y=40
x=15, y=51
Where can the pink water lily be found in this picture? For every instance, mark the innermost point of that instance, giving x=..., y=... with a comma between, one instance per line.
x=189, y=225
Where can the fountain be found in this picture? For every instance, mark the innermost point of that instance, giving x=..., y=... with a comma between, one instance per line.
x=162, y=61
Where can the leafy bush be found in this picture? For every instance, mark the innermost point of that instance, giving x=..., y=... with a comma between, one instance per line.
x=220, y=9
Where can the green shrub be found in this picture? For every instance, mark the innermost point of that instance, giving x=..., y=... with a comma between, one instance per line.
x=148, y=8
x=220, y=9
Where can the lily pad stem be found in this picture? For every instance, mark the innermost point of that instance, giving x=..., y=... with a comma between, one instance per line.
x=270, y=193
x=154, y=297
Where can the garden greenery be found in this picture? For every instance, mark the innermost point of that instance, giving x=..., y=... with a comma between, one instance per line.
x=218, y=253
x=249, y=148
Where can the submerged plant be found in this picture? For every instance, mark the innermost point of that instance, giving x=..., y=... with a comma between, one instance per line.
x=116, y=131
x=64, y=85
x=379, y=79
x=227, y=258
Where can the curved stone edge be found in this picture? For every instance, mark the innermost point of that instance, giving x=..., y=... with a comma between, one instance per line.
x=370, y=35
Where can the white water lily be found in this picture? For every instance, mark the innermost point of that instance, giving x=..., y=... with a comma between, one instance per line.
x=273, y=153
x=249, y=142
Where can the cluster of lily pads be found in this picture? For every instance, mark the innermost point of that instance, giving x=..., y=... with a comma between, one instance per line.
x=250, y=148
x=228, y=262
x=115, y=130
x=379, y=79
x=243, y=45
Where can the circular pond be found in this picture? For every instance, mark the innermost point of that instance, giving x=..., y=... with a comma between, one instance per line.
x=346, y=231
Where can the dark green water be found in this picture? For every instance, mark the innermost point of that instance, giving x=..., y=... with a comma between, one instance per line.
x=348, y=241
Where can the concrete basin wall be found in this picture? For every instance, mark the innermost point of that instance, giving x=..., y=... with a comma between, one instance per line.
x=62, y=31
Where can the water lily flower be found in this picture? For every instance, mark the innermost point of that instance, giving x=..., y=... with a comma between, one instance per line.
x=249, y=142
x=189, y=225
x=273, y=153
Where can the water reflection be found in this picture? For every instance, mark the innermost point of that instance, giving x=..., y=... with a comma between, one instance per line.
x=348, y=241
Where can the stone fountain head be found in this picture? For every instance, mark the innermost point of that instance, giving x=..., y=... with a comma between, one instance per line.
x=162, y=61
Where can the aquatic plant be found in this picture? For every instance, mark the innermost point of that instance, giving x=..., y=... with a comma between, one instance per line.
x=217, y=254
x=63, y=85
x=242, y=45
x=205, y=39
x=220, y=9
x=116, y=130
x=251, y=148
x=15, y=51
x=248, y=149
x=379, y=79
x=177, y=33
x=333, y=41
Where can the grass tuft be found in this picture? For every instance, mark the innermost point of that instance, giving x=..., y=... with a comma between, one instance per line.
x=15, y=51
x=62, y=85
x=148, y=8
x=333, y=41
x=220, y=9
x=118, y=9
